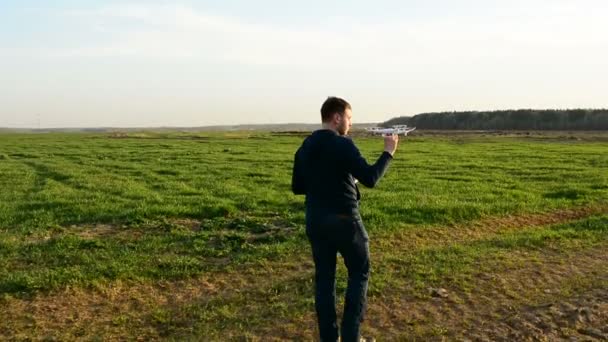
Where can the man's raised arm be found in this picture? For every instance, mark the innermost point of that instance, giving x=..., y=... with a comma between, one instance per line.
x=369, y=175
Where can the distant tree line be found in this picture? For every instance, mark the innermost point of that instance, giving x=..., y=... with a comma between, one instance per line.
x=522, y=119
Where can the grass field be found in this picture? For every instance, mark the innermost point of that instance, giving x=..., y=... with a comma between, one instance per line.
x=197, y=236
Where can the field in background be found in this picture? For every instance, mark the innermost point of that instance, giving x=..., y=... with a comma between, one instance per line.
x=197, y=235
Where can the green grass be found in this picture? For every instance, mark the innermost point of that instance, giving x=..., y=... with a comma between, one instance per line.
x=55, y=187
x=88, y=211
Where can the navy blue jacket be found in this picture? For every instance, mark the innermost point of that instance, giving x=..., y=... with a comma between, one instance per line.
x=325, y=169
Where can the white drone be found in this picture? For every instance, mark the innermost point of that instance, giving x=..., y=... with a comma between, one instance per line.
x=396, y=129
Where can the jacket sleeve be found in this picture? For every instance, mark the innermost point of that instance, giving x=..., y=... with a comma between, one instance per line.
x=368, y=175
x=298, y=181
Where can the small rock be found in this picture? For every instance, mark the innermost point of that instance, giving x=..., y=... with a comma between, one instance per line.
x=438, y=292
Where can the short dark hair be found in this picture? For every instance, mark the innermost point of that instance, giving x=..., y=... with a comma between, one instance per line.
x=333, y=105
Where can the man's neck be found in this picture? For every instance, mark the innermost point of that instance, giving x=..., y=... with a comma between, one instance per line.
x=330, y=127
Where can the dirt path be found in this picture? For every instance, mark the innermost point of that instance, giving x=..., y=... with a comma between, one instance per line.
x=546, y=296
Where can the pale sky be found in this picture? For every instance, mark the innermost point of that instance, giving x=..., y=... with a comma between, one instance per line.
x=192, y=63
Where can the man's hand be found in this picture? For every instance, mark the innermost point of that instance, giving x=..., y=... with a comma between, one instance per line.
x=390, y=143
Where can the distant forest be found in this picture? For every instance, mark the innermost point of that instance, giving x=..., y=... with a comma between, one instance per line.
x=522, y=119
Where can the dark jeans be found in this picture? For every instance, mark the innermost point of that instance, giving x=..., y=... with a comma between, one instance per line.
x=329, y=234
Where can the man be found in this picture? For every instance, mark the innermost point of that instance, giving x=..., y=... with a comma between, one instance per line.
x=326, y=169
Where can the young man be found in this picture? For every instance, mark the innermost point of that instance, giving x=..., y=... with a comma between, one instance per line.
x=326, y=169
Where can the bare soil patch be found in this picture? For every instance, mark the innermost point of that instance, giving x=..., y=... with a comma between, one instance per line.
x=541, y=296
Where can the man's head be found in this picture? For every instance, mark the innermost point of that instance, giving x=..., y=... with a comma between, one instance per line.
x=337, y=114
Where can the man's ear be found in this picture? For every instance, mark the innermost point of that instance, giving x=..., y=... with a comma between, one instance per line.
x=337, y=117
